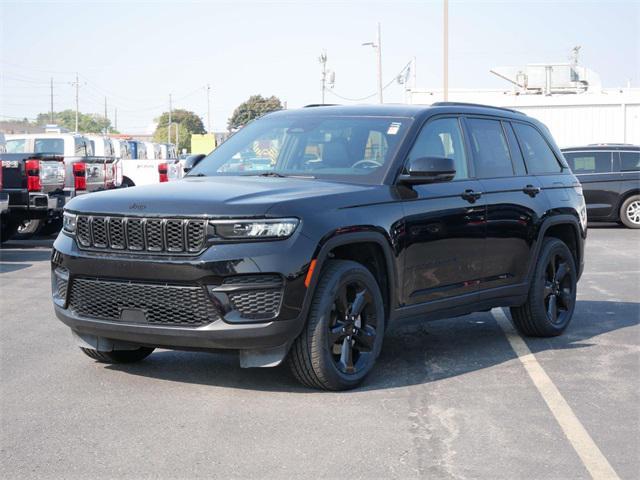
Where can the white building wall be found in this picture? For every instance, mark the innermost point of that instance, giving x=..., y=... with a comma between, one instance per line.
x=610, y=116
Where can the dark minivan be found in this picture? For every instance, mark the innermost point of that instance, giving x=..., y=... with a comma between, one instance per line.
x=610, y=178
x=309, y=232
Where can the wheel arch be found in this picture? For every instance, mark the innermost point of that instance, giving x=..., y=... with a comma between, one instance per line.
x=566, y=228
x=372, y=249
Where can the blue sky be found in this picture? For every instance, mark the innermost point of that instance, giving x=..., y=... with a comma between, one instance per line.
x=136, y=53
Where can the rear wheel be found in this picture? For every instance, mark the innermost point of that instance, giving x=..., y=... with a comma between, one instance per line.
x=630, y=212
x=118, y=356
x=344, y=331
x=28, y=228
x=552, y=294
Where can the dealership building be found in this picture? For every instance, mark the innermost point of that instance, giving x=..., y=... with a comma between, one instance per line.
x=568, y=98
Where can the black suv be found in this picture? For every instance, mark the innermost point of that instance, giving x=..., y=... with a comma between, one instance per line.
x=309, y=232
x=610, y=177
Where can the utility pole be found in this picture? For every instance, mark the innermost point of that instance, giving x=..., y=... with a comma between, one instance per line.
x=105, y=116
x=377, y=45
x=446, y=51
x=208, y=109
x=115, y=120
x=77, y=85
x=323, y=79
x=51, y=116
x=169, y=125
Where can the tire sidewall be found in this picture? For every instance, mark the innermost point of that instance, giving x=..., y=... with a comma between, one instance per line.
x=623, y=212
x=321, y=316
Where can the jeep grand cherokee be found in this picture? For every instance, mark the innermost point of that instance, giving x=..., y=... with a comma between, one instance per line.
x=309, y=232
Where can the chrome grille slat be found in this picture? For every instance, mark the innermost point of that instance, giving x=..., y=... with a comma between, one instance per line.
x=171, y=236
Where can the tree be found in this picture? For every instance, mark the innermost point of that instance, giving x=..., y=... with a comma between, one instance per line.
x=188, y=123
x=254, y=107
x=87, y=123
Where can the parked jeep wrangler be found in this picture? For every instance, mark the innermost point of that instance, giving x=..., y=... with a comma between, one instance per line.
x=309, y=232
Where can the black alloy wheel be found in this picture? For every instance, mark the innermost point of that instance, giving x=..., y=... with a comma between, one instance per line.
x=353, y=327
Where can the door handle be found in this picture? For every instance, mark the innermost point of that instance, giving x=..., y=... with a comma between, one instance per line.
x=531, y=190
x=471, y=196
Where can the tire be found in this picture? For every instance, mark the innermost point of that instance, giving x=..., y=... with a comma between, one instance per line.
x=630, y=212
x=336, y=350
x=8, y=229
x=51, y=227
x=126, y=183
x=118, y=356
x=552, y=293
x=28, y=228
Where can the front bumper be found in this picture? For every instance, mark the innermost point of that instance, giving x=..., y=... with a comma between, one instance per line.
x=288, y=259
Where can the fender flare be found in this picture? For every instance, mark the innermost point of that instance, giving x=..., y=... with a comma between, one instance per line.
x=561, y=219
x=339, y=239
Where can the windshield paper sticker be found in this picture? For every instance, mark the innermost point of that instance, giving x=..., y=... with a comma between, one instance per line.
x=393, y=128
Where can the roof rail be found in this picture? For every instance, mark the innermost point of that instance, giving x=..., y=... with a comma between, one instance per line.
x=463, y=104
x=312, y=105
x=611, y=144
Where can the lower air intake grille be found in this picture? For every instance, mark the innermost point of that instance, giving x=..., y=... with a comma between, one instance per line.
x=257, y=303
x=176, y=305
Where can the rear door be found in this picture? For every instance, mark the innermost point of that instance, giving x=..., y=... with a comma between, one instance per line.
x=444, y=222
x=512, y=195
x=600, y=182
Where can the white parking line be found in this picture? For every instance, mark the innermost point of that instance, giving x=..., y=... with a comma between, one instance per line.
x=591, y=456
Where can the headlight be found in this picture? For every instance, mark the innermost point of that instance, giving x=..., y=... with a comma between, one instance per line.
x=259, y=229
x=69, y=222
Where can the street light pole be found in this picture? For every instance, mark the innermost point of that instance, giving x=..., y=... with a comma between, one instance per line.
x=378, y=46
x=379, y=64
x=208, y=109
x=446, y=51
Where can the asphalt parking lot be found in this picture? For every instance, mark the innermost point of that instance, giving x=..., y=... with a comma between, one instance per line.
x=448, y=399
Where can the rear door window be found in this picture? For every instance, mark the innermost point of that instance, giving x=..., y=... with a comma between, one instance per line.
x=490, y=148
x=537, y=154
x=16, y=146
x=589, y=162
x=629, y=161
x=49, y=145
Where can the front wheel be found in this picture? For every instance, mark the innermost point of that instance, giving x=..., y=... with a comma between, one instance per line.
x=630, y=212
x=343, y=336
x=552, y=293
x=118, y=356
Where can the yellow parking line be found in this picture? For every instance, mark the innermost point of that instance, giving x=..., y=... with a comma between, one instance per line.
x=591, y=456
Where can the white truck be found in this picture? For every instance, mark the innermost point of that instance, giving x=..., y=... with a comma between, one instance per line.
x=147, y=164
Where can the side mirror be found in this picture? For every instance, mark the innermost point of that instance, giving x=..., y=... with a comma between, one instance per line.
x=192, y=161
x=429, y=170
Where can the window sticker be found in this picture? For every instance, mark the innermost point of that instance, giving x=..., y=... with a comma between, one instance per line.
x=393, y=128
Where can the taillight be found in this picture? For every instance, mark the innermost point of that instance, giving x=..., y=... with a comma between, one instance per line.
x=80, y=176
x=33, y=175
x=163, y=171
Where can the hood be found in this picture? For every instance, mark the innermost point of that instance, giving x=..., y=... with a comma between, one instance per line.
x=216, y=196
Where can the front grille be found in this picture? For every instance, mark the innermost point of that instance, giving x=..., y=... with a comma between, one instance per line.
x=172, y=305
x=135, y=234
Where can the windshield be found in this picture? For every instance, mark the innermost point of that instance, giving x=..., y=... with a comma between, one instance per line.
x=355, y=149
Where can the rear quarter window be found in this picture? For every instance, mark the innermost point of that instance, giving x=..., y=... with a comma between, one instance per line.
x=49, y=145
x=629, y=161
x=589, y=162
x=537, y=154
